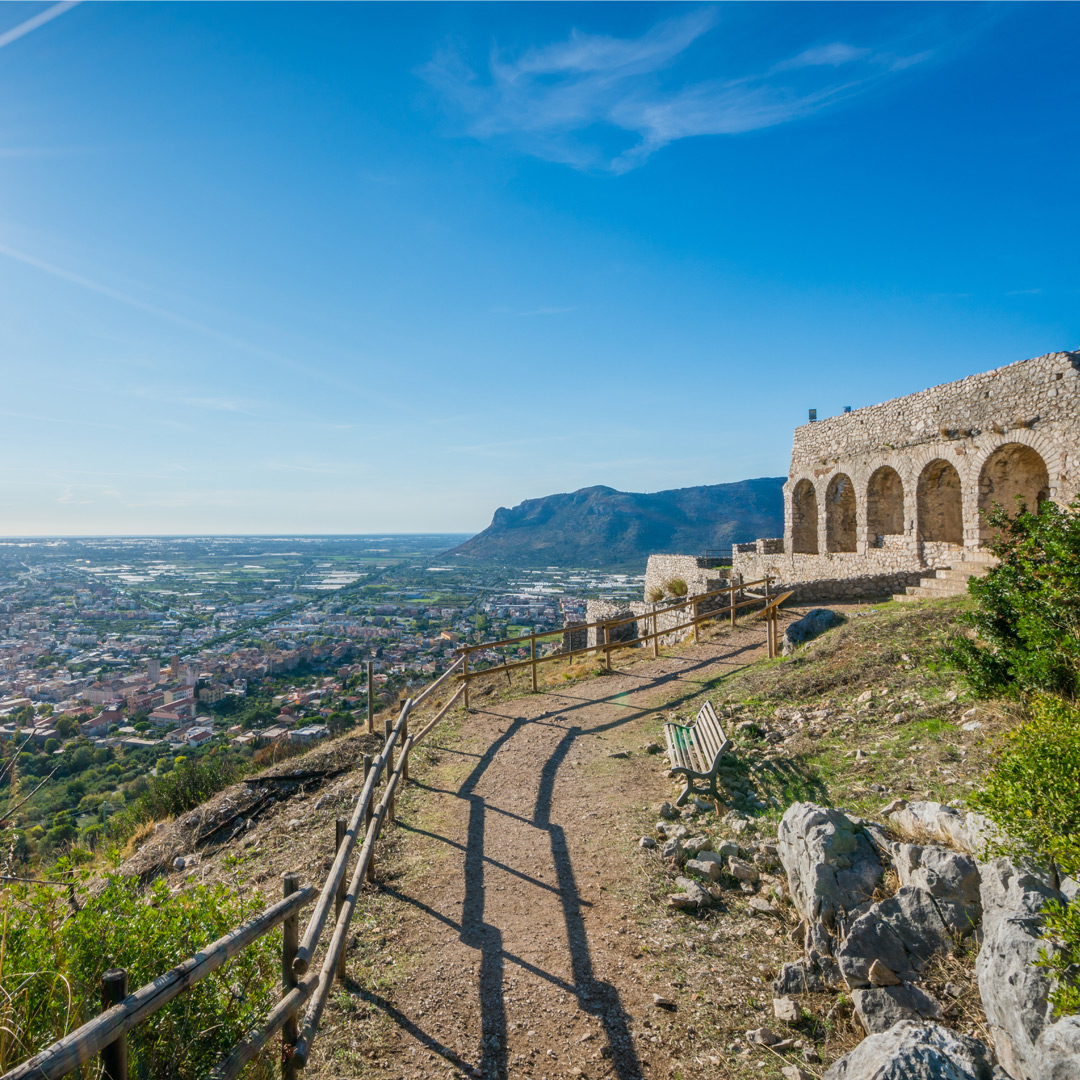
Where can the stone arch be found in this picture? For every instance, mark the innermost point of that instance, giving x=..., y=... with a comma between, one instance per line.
x=884, y=504
x=940, y=504
x=804, y=519
x=1012, y=470
x=840, y=514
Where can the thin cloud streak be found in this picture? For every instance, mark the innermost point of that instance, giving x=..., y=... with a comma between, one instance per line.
x=40, y=19
x=551, y=101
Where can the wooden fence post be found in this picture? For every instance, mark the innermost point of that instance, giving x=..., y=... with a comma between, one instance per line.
x=114, y=988
x=695, y=614
x=367, y=817
x=656, y=633
x=290, y=942
x=371, y=697
x=389, y=766
x=607, y=646
x=340, y=828
x=532, y=643
x=731, y=604
x=404, y=740
x=465, y=676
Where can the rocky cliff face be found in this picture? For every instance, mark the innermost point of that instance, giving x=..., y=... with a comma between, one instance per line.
x=600, y=527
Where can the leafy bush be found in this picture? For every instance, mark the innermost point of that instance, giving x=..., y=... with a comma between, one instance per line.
x=181, y=788
x=52, y=960
x=1033, y=791
x=1027, y=614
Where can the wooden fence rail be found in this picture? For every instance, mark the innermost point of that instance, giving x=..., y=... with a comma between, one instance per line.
x=106, y=1033
x=604, y=628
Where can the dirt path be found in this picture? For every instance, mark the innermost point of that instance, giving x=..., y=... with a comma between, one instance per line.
x=522, y=841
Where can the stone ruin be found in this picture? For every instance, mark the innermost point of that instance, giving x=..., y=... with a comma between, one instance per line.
x=880, y=497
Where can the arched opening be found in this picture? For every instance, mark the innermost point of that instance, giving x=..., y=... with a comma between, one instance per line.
x=884, y=505
x=941, y=514
x=804, y=518
x=840, y=529
x=1012, y=471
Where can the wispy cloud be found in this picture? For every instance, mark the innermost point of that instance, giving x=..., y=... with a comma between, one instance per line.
x=40, y=19
x=568, y=101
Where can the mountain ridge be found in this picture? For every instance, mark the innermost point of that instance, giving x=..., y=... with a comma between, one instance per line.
x=600, y=527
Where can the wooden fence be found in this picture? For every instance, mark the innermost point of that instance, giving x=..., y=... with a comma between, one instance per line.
x=107, y=1033
x=302, y=986
x=604, y=627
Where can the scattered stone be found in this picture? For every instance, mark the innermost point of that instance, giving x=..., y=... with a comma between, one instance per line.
x=971, y=725
x=969, y=715
x=702, y=805
x=916, y=1051
x=763, y=1036
x=879, y=1008
x=695, y=844
x=951, y=695
x=785, y=1009
x=671, y=849
x=662, y=1002
x=667, y=811
x=711, y=856
x=880, y=975
x=179, y=862
x=705, y=867
x=891, y=808
x=741, y=869
x=294, y=823
x=865, y=696
x=727, y=849
x=759, y=903
x=619, y=754
x=694, y=891
x=954, y=990
x=647, y=842
x=672, y=830
x=653, y=748
x=814, y=622
x=793, y=1072
x=742, y=826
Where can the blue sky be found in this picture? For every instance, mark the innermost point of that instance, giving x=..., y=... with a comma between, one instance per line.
x=354, y=268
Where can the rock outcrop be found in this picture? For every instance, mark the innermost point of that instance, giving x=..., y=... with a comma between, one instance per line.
x=915, y=1051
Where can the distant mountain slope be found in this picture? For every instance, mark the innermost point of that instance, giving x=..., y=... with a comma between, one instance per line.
x=604, y=528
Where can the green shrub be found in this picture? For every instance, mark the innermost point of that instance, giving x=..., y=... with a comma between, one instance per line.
x=1027, y=609
x=52, y=960
x=184, y=787
x=1033, y=791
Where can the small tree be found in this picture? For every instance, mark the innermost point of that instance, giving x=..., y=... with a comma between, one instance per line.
x=1027, y=614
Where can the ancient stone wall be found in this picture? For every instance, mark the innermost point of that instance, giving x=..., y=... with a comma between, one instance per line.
x=698, y=573
x=877, y=495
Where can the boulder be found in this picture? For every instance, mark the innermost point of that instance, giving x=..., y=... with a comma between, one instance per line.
x=741, y=869
x=1015, y=994
x=925, y=820
x=831, y=865
x=878, y=1008
x=950, y=877
x=903, y=933
x=814, y=622
x=911, y=1050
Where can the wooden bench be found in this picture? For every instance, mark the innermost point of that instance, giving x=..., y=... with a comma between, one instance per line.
x=695, y=750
